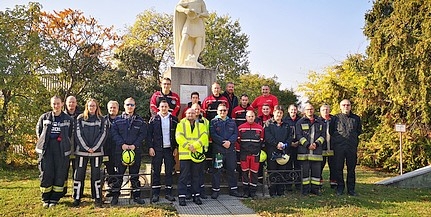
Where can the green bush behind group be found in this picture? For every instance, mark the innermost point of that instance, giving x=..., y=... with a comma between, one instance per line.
x=68, y=53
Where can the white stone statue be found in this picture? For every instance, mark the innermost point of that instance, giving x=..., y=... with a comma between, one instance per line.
x=189, y=32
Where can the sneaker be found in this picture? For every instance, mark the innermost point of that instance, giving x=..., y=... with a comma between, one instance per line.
x=155, y=198
x=197, y=200
x=234, y=193
x=138, y=200
x=76, y=203
x=51, y=205
x=98, y=202
x=114, y=200
x=352, y=193
x=214, y=195
x=45, y=205
x=182, y=201
x=170, y=197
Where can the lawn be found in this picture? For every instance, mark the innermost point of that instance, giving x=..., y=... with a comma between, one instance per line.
x=373, y=200
x=20, y=196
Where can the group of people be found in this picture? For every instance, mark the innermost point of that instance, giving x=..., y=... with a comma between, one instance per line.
x=220, y=133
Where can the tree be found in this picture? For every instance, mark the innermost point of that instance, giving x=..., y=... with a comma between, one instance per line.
x=225, y=48
x=22, y=93
x=400, y=52
x=82, y=48
x=147, y=48
x=251, y=84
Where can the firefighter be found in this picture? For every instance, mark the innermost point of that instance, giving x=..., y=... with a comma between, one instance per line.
x=54, y=132
x=162, y=146
x=277, y=140
x=224, y=134
x=192, y=137
x=109, y=148
x=129, y=131
x=90, y=136
x=293, y=163
x=166, y=94
x=311, y=134
x=250, y=137
x=328, y=151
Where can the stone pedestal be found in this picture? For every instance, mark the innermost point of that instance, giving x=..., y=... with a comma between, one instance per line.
x=187, y=80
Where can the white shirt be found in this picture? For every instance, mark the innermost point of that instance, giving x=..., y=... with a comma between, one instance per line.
x=166, y=130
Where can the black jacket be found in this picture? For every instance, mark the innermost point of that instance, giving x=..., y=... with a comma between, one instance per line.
x=90, y=134
x=155, y=136
x=275, y=134
x=345, y=129
x=130, y=130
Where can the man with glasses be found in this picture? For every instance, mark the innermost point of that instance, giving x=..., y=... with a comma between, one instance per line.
x=224, y=134
x=345, y=129
x=129, y=131
x=165, y=94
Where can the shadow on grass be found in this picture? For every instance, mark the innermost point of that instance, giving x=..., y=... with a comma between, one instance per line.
x=18, y=174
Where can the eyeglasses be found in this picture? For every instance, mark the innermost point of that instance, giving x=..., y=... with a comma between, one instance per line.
x=130, y=104
x=166, y=84
x=222, y=110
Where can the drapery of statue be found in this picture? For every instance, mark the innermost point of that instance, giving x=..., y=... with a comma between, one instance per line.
x=189, y=32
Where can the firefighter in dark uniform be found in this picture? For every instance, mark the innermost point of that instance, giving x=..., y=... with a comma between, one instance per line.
x=90, y=136
x=73, y=111
x=165, y=94
x=293, y=163
x=250, y=136
x=109, y=147
x=277, y=140
x=162, y=146
x=54, y=132
x=129, y=131
x=311, y=134
x=328, y=151
x=345, y=130
x=231, y=98
x=224, y=134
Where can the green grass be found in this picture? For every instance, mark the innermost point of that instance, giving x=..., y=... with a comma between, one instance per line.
x=373, y=200
x=20, y=196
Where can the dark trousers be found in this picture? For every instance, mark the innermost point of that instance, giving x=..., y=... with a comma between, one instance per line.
x=70, y=163
x=166, y=156
x=229, y=163
x=345, y=153
x=110, y=169
x=293, y=164
x=53, y=169
x=79, y=176
x=189, y=173
x=311, y=173
x=275, y=189
x=134, y=175
x=331, y=164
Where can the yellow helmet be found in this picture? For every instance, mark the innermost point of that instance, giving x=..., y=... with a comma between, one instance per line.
x=128, y=157
x=197, y=157
x=283, y=159
x=262, y=156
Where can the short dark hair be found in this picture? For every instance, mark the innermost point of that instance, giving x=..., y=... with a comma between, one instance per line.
x=194, y=93
x=279, y=107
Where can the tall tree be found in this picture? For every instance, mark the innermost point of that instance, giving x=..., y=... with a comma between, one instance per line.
x=82, y=47
x=151, y=39
x=226, y=48
x=21, y=57
x=400, y=52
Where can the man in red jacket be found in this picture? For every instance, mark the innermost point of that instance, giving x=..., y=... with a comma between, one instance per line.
x=265, y=98
x=165, y=94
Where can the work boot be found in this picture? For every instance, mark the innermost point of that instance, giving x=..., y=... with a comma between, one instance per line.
x=169, y=197
x=155, y=198
x=76, y=202
x=98, y=202
x=197, y=200
x=214, y=195
x=234, y=193
x=139, y=200
x=182, y=201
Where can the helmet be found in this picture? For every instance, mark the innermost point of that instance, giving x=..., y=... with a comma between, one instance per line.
x=197, y=157
x=283, y=159
x=262, y=156
x=128, y=157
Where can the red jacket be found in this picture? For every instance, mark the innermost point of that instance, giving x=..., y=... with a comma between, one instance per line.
x=173, y=101
x=271, y=100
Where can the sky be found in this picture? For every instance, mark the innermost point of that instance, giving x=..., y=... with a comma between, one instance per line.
x=288, y=38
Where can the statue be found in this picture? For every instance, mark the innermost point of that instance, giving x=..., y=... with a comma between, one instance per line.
x=189, y=32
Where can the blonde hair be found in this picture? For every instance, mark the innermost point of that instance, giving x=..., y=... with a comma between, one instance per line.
x=85, y=114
